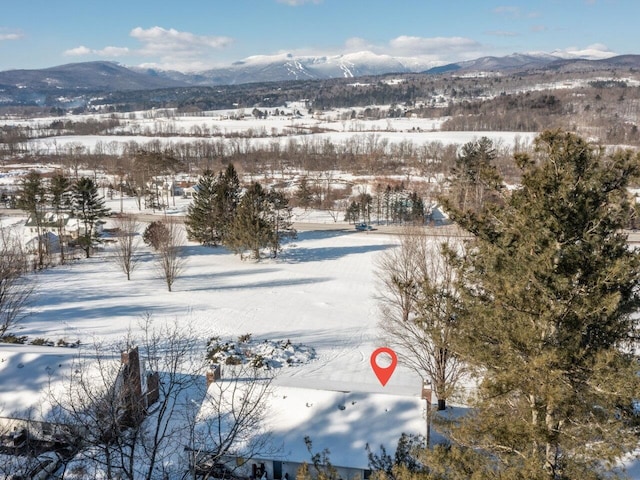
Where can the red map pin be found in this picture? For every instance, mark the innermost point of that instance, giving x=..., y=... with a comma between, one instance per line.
x=384, y=373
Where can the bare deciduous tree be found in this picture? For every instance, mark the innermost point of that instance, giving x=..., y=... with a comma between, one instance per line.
x=15, y=289
x=169, y=257
x=418, y=303
x=127, y=243
x=231, y=421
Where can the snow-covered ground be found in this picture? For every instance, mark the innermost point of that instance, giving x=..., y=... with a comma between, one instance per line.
x=60, y=144
x=319, y=293
x=293, y=122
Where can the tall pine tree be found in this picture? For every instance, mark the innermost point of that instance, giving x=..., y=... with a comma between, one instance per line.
x=227, y=199
x=59, y=191
x=549, y=290
x=32, y=199
x=251, y=229
x=201, y=214
x=89, y=208
x=280, y=217
x=213, y=209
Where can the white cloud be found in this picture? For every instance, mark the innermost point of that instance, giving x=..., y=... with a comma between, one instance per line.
x=357, y=44
x=158, y=39
x=78, y=51
x=594, y=52
x=114, y=51
x=6, y=34
x=82, y=51
x=164, y=48
x=173, y=49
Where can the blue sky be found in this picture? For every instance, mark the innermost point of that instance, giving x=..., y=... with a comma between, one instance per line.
x=193, y=35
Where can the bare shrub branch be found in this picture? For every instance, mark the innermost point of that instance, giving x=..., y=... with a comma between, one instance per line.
x=127, y=243
x=15, y=289
x=418, y=305
x=169, y=259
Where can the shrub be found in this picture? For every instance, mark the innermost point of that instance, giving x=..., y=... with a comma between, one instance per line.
x=246, y=338
x=11, y=338
x=233, y=360
x=155, y=234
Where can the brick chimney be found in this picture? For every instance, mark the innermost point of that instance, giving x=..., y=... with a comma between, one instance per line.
x=131, y=394
x=214, y=375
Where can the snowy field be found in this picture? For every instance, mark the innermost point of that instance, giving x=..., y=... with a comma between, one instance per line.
x=319, y=293
x=294, y=122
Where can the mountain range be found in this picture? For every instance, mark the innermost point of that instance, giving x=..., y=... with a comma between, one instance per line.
x=101, y=76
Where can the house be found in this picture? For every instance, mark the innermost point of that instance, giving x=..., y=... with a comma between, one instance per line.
x=189, y=192
x=33, y=378
x=52, y=226
x=342, y=422
x=29, y=375
x=436, y=216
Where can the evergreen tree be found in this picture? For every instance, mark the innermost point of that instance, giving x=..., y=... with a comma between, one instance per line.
x=32, y=199
x=352, y=215
x=59, y=191
x=226, y=199
x=155, y=234
x=201, y=215
x=251, y=229
x=474, y=178
x=417, y=208
x=549, y=291
x=213, y=209
x=304, y=194
x=279, y=214
x=89, y=208
x=365, y=200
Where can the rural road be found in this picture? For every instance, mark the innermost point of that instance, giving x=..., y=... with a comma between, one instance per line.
x=441, y=231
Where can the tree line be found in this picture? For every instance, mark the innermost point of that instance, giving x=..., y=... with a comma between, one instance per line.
x=244, y=221
x=50, y=204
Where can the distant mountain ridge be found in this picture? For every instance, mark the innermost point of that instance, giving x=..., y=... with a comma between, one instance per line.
x=97, y=75
x=35, y=86
x=289, y=67
x=514, y=62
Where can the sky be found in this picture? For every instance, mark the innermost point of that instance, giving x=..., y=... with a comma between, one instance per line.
x=194, y=35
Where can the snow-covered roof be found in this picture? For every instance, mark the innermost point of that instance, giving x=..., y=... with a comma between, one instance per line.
x=27, y=375
x=342, y=422
x=49, y=220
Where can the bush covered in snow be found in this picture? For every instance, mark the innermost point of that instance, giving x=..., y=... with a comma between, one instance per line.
x=266, y=354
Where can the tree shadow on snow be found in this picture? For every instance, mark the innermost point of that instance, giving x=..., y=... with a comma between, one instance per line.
x=267, y=284
x=302, y=254
x=201, y=250
x=321, y=234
